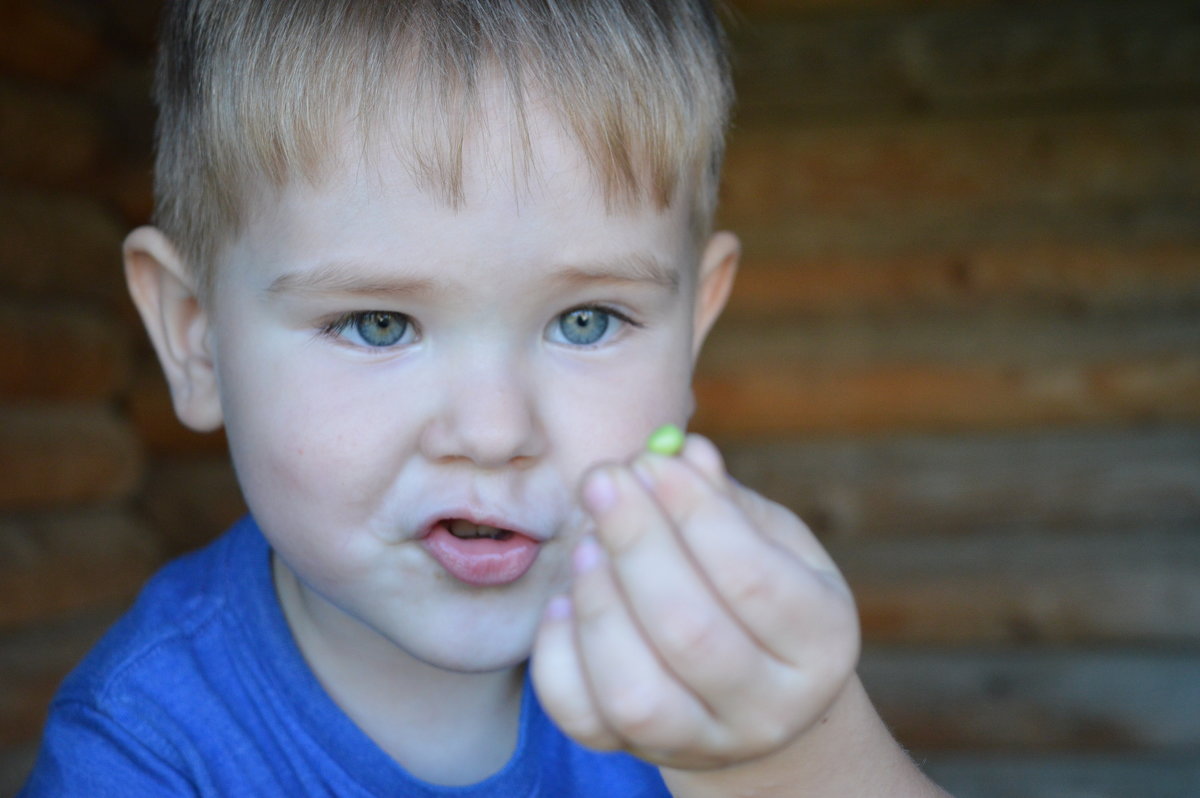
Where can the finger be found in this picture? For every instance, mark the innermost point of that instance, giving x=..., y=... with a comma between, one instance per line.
x=702, y=455
x=782, y=602
x=640, y=702
x=687, y=625
x=559, y=680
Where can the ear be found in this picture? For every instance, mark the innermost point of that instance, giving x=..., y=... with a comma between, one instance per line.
x=178, y=325
x=718, y=266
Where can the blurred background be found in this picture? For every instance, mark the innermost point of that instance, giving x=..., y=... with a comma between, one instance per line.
x=965, y=346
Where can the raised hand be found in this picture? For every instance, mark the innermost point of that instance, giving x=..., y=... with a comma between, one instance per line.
x=705, y=627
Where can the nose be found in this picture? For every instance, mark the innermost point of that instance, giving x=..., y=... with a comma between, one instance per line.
x=487, y=414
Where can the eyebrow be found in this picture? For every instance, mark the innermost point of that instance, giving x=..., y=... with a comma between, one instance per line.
x=352, y=277
x=632, y=268
x=347, y=277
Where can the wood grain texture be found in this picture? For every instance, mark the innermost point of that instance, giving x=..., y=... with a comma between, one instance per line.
x=1086, y=481
x=1171, y=775
x=66, y=455
x=52, y=565
x=820, y=58
x=1053, y=699
x=953, y=168
x=1071, y=279
x=158, y=428
x=1140, y=587
x=32, y=663
x=965, y=346
x=55, y=245
x=62, y=352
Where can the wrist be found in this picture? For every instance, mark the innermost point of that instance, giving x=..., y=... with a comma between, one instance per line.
x=847, y=752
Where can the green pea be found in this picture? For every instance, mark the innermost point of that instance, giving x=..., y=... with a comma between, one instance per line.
x=667, y=439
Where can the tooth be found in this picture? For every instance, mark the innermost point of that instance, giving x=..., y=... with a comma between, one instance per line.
x=467, y=531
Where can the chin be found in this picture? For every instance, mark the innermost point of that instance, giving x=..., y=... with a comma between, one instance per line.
x=504, y=643
x=480, y=662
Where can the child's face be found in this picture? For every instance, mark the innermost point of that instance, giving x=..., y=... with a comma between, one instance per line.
x=498, y=351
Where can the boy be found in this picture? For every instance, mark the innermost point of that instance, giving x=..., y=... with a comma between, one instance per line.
x=439, y=267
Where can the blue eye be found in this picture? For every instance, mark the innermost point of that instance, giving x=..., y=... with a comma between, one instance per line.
x=380, y=328
x=584, y=326
x=377, y=329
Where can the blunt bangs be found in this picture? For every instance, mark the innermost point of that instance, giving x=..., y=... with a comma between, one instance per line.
x=253, y=94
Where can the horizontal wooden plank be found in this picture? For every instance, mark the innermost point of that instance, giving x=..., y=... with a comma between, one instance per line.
x=47, y=138
x=33, y=662
x=1032, y=276
x=949, y=167
x=63, y=455
x=51, y=351
x=46, y=43
x=189, y=501
x=803, y=399
x=53, y=564
x=810, y=58
x=1165, y=775
x=1037, y=700
x=1038, y=481
x=918, y=229
x=39, y=258
x=999, y=371
x=158, y=428
x=1119, y=588
x=1006, y=337
x=775, y=7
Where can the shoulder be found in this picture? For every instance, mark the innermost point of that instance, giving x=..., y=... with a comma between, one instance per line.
x=124, y=716
x=167, y=638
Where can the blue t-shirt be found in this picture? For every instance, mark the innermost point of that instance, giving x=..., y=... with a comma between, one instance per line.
x=200, y=690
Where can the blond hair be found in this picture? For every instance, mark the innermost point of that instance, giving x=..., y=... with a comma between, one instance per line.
x=257, y=90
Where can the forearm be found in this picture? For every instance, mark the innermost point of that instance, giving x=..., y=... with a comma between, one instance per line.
x=849, y=753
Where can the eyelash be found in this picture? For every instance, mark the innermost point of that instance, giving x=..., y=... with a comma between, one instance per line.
x=339, y=325
x=608, y=310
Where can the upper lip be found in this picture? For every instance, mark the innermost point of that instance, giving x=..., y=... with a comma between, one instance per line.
x=479, y=519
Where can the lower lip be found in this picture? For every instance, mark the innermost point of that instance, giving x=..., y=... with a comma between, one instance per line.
x=481, y=562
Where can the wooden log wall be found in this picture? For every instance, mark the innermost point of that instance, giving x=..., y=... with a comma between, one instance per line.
x=965, y=346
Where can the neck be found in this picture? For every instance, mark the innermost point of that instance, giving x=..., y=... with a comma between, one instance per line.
x=421, y=715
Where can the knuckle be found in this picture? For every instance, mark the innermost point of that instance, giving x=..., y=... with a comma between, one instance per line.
x=634, y=712
x=689, y=633
x=588, y=611
x=573, y=713
x=772, y=728
x=681, y=491
x=747, y=583
x=580, y=724
x=771, y=735
x=622, y=534
x=592, y=604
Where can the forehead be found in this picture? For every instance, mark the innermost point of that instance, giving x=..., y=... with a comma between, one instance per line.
x=527, y=193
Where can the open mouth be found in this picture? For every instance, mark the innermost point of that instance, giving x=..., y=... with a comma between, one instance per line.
x=480, y=554
x=465, y=530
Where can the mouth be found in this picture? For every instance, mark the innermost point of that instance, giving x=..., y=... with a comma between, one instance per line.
x=480, y=554
x=466, y=530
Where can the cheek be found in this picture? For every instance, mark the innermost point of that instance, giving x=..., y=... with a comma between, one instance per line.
x=609, y=419
x=302, y=439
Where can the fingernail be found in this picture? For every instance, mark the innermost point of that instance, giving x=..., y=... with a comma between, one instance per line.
x=600, y=491
x=588, y=556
